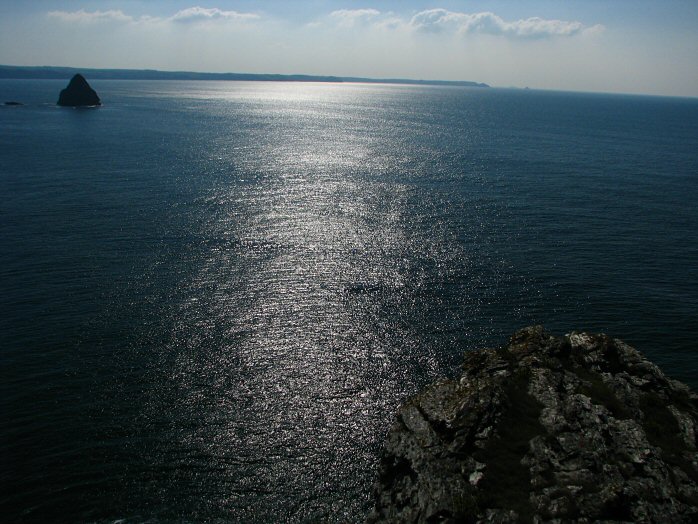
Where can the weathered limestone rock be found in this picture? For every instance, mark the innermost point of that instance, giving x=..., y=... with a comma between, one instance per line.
x=78, y=93
x=580, y=428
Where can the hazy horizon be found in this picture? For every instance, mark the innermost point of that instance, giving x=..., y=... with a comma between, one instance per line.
x=639, y=48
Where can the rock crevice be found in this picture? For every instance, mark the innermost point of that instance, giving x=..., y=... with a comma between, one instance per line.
x=580, y=428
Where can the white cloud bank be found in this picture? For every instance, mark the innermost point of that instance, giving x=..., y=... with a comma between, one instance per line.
x=91, y=16
x=444, y=21
x=352, y=17
x=437, y=20
x=188, y=15
x=427, y=21
x=194, y=14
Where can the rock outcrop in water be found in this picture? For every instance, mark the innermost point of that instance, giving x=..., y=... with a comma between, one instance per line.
x=580, y=428
x=78, y=93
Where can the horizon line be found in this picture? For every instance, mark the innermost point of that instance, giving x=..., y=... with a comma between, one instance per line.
x=60, y=72
x=49, y=72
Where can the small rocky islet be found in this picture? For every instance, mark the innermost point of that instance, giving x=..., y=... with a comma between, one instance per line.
x=580, y=428
x=78, y=93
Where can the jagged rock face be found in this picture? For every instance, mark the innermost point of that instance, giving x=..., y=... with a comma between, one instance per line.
x=78, y=93
x=580, y=428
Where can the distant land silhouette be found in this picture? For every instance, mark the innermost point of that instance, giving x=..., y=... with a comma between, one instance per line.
x=50, y=72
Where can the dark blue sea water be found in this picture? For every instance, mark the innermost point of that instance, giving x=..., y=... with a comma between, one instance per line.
x=214, y=295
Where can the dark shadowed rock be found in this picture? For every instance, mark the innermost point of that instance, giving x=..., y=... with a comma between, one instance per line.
x=580, y=428
x=78, y=93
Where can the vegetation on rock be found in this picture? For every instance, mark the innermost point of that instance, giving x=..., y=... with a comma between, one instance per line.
x=580, y=428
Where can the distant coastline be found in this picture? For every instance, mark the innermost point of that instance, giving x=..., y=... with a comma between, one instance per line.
x=50, y=72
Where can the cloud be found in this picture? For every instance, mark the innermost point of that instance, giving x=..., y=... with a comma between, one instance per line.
x=427, y=21
x=352, y=17
x=94, y=16
x=203, y=14
x=594, y=29
x=436, y=20
x=441, y=20
x=445, y=21
x=188, y=15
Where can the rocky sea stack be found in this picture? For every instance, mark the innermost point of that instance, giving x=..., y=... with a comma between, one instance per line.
x=78, y=93
x=580, y=428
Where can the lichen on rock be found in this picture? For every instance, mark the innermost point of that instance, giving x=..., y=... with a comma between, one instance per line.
x=580, y=428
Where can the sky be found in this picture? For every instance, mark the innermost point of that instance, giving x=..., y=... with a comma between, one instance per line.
x=638, y=46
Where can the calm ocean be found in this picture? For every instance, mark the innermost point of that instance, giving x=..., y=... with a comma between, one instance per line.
x=214, y=295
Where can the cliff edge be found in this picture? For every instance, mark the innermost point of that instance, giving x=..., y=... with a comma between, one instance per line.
x=580, y=428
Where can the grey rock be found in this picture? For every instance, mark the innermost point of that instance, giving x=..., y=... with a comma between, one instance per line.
x=580, y=428
x=78, y=93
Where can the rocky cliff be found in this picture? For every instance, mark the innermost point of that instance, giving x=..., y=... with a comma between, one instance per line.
x=580, y=428
x=78, y=93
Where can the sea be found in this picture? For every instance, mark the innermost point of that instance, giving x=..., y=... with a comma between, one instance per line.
x=215, y=295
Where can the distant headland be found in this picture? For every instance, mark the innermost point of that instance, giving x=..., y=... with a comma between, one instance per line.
x=50, y=72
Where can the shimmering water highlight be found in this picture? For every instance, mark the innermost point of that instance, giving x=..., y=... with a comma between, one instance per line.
x=216, y=294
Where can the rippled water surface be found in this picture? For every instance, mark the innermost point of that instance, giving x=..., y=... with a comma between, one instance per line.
x=214, y=295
